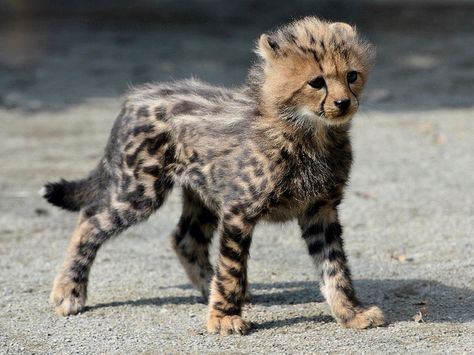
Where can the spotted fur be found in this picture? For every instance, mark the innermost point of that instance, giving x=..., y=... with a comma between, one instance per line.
x=275, y=149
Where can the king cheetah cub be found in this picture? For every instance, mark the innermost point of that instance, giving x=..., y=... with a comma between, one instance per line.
x=276, y=149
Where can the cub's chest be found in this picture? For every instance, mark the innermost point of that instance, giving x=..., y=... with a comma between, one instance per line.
x=312, y=176
x=307, y=178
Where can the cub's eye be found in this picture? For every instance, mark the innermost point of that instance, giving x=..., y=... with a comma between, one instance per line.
x=351, y=77
x=317, y=83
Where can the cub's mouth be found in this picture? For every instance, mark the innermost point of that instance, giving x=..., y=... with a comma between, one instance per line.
x=328, y=117
x=336, y=118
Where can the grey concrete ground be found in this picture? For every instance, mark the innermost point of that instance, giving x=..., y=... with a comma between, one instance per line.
x=408, y=214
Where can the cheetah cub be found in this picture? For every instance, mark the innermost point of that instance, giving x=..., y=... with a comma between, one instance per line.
x=276, y=149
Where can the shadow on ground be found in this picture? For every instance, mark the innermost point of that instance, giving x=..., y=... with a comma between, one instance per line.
x=400, y=300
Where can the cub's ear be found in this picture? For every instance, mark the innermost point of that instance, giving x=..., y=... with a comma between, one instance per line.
x=267, y=47
x=343, y=28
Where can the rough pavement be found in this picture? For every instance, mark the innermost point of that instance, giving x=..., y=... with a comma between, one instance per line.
x=408, y=215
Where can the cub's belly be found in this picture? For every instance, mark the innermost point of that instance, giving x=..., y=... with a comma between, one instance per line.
x=284, y=211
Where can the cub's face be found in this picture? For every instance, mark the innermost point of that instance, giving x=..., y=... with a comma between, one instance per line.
x=314, y=71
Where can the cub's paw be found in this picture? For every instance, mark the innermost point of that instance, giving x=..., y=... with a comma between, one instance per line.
x=67, y=297
x=226, y=325
x=365, y=318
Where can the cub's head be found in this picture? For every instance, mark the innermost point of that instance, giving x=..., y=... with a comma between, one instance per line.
x=313, y=70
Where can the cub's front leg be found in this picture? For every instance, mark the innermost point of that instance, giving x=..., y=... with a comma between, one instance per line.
x=322, y=233
x=229, y=284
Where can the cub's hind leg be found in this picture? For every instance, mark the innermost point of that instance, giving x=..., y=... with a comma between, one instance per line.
x=191, y=240
x=97, y=223
x=323, y=235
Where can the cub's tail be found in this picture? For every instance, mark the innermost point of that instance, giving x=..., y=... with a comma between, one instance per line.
x=73, y=195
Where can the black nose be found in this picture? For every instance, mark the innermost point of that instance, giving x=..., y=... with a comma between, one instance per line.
x=343, y=104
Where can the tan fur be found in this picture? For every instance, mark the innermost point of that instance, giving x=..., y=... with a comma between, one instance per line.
x=276, y=149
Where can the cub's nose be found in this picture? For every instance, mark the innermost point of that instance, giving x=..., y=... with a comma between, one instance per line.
x=343, y=104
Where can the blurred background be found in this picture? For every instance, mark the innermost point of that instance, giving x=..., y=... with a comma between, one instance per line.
x=408, y=212
x=58, y=53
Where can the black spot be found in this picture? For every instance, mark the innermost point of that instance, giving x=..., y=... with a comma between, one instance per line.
x=205, y=216
x=312, y=230
x=285, y=154
x=169, y=156
x=137, y=194
x=235, y=272
x=194, y=157
x=220, y=287
x=197, y=234
x=259, y=172
x=142, y=129
x=233, y=297
x=115, y=218
x=273, y=198
x=253, y=191
x=155, y=143
x=336, y=255
x=315, y=247
x=229, y=253
x=92, y=210
x=263, y=185
x=166, y=92
x=131, y=158
x=79, y=272
x=143, y=112
x=143, y=204
x=126, y=180
x=185, y=107
x=183, y=224
x=154, y=170
x=87, y=250
x=315, y=208
x=129, y=217
x=168, y=182
x=290, y=37
x=160, y=113
x=288, y=194
x=162, y=184
x=272, y=43
x=333, y=233
x=237, y=209
x=245, y=244
x=228, y=311
x=232, y=232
